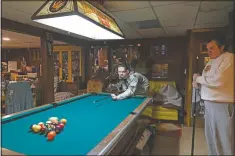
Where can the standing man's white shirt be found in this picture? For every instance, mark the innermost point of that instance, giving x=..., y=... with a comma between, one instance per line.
x=217, y=80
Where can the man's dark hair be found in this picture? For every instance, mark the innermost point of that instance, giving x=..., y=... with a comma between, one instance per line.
x=220, y=41
x=124, y=65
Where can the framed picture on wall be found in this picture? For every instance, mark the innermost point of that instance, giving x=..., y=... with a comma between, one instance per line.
x=203, y=49
x=160, y=71
x=159, y=50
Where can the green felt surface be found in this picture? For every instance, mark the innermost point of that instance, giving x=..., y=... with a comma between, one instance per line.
x=87, y=126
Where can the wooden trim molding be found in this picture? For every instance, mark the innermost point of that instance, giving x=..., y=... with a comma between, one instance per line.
x=66, y=48
x=188, y=98
x=207, y=29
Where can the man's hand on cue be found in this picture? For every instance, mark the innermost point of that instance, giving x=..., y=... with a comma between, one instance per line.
x=114, y=97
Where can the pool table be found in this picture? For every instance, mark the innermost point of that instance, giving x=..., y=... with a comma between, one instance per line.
x=96, y=125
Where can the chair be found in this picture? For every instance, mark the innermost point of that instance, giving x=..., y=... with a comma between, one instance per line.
x=60, y=96
x=158, y=111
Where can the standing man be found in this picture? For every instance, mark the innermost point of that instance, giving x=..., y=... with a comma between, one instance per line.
x=131, y=83
x=217, y=91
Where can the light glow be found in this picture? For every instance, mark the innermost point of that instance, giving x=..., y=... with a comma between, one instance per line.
x=79, y=25
x=6, y=39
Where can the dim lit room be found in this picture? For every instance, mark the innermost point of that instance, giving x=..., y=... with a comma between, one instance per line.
x=113, y=77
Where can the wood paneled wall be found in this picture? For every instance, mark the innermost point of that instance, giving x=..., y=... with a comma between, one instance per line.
x=16, y=54
x=230, y=32
x=176, y=57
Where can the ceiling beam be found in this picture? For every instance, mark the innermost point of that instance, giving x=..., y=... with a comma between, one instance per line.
x=15, y=26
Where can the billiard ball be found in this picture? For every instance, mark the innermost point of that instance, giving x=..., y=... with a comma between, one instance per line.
x=52, y=127
x=64, y=121
x=31, y=127
x=51, y=135
x=54, y=119
x=42, y=126
x=46, y=126
x=58, y=129
x=50, y=138
x=48, y=122
x=55, y=124
x=61, y=125
x=40, y=123
x=47, y=131
x=36, y=128
x=43, y=130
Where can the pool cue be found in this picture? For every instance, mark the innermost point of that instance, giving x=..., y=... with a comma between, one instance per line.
x=101, y=99
x=194, y=112
x=98, y=105
x=105, y=98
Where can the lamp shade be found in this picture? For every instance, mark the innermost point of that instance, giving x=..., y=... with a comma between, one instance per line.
x=78, y=17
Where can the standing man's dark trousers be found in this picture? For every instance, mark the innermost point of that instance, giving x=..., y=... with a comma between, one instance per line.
x=219, y=128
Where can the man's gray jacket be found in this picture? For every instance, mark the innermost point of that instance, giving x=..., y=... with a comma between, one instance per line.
x=135, y=84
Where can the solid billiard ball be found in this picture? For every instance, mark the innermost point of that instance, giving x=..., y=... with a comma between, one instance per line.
x=58, y=129
x=43, y=130
x=50, y=138
x=51, y=135
x=36, y=128
x=61, y=125
x=64, y=121
x=31, y=127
